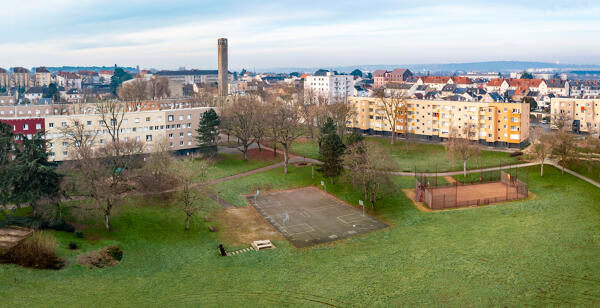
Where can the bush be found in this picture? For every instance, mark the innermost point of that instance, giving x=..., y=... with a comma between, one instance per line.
x=108, y=256
x=37, y=223
x=38, y=251
x=73, y=245
x=515, y=154
x=79, y=234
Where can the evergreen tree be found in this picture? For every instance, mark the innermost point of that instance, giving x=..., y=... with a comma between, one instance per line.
x=208, y=131
x=119, y=76
x=332, y=149
x=526, y=75
x=357, y=73
x=328, y=128
x=353, y=138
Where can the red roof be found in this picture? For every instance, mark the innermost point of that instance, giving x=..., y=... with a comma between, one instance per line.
x=525, y=82
x=105, y=72
x=379, y=73
x=436, y=79
x=304, y=76
x=496, y=82
x=462, y=80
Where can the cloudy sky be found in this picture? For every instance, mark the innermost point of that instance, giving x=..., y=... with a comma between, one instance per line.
x=267, y=34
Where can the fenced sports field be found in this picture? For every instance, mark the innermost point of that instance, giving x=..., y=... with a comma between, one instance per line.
x=491, y=187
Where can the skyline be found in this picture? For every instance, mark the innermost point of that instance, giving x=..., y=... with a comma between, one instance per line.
x=163, y=35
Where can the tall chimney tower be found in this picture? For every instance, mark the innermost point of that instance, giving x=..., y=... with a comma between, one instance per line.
x=223, y=70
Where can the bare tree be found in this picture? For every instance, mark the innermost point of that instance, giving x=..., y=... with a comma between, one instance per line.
x=460, y=146
x=341, y=113
x=190, y=197
x=112, y=114
x=368, y=166
x=563, y=145
x=285, y=126
x=541, y=142
x=390, y=107
x=158, y=87
x=134, y=92
x=243, y=119
x=157, y=173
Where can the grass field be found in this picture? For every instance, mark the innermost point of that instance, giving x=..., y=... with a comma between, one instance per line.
x=229, y=164
x=589, y=168
x=537, y=252
x=424, y=156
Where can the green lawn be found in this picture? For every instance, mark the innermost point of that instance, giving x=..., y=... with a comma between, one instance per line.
x=424, y=156
x=230, y=164
x=589, y=168
x=541, y=252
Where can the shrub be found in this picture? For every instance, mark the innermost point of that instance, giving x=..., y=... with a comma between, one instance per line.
x=515, y=154
x=108, y=256
x=73, y=245
x=79, y=234
x=38, y=251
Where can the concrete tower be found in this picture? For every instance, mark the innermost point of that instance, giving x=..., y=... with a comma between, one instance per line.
x=223, y=70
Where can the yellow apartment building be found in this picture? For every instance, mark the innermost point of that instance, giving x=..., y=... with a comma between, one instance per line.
x=494, y=124
x=582, y=114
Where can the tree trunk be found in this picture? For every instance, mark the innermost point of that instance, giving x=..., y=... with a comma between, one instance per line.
x=542, y=169
x=465, y=168
x=259, y=147
x=245, y=152
x=274, y=149
x=393, y=135
x=285, y=158
x=563, y=169
x=187, y=222
x=107, y=221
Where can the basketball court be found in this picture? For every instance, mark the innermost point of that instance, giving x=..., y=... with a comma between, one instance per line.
x=308, y=216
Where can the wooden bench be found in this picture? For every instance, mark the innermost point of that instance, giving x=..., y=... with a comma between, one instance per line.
x=261, y=245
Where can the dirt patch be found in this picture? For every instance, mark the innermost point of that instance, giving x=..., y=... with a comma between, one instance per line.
x=410, y=193
x=264, y=155
x=303, y=164
x=449, y=179
x=109, y=256
x=242, y=226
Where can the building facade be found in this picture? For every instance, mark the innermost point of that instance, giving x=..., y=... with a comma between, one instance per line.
x=582, y=114
x=42, y=77
x=4, y=79
x=335, y=88
x=493, y=124
x=383, y=77
x=21, y=78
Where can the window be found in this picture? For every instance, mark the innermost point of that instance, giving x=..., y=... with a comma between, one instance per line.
x=181, y=143
x=148, y=138
x=38, y=126
x=137, y=120
x=170, y=135
x=170, y=118
x=189, y=116
x=25, y=127
x=89, y=123
x=180, y=118
x=64, y=144
x=63, y=124
x=101, y=141
x=147, y=119
x=180, y=135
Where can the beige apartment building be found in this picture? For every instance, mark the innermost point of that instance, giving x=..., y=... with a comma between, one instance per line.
x=582, y=114
x=21, y=78
x=176, y=126
x=494, y=124
x=4, y=79
x=42, y=77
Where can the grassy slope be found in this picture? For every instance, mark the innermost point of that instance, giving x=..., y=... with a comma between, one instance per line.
x=588, y=168
x=538, y=252
x=422, y=155
x=230, y=164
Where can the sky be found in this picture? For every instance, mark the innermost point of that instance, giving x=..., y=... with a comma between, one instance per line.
x=270, y=34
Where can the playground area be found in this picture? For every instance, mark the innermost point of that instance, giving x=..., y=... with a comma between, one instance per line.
x=490, y=187
x=309, y=216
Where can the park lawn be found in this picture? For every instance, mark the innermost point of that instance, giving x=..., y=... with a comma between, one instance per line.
x=539, y=252
x=424, y=156
x=588, y=168
x=229, y=164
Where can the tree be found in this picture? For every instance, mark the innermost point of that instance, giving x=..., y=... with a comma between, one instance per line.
x=353, y=138
x=542, y=145
x=134, y=91
x=563, y=146
x=332, y=149
x=51, y=92
x=158, y=87
x=461, y=147
x=341, y=113
x=243, y=119
x=208, y=131
x=118, y=77
x=531, y=101
x=357, y=73
x=328, y=128
x=526, y=75
x=285, y=126
x=189, y=196
x=390, y=108
x=6, y=171
x=33, y=177
x=158, y=173
x=368, y=166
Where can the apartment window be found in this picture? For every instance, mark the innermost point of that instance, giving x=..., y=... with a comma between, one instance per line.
x=25, y=127
x=159, y=119
x=189, y=116
x=38, y=126
x=134, y=129
x=170, y=118
x=189, y=125
x=178, y=126
x=181, y=143
x=137, y=120
x=147, y=119
x=148, y=138
x=63, y=124
x=180, y=118
x=101, y=141
x=65, y=153
x=170, y=135
x=64, y=144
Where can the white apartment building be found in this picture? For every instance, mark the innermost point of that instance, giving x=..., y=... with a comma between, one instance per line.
x=333, y=87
